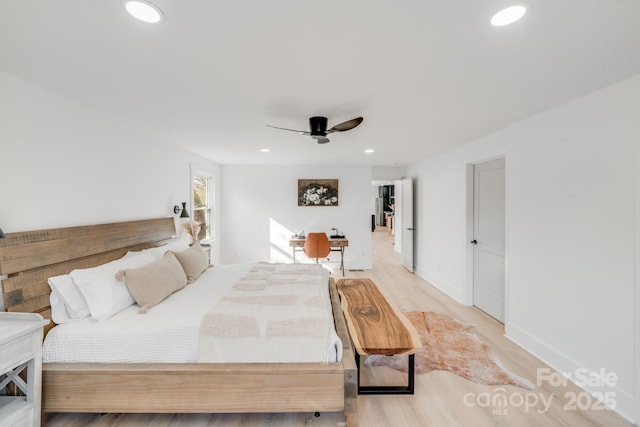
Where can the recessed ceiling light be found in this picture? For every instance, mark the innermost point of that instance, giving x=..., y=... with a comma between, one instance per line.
x=508, y=16
x=144, y=11
x=264, y=150
x=369, y=150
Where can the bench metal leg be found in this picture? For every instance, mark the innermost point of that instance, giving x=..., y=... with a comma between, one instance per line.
x=389, y=389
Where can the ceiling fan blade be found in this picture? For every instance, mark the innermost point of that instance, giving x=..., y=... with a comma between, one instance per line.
x=348, y=125
x=301, y=132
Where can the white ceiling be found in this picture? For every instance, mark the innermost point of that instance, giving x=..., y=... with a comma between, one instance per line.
x=425, y=75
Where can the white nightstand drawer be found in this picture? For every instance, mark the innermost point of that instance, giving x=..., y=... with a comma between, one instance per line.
x=17, y=352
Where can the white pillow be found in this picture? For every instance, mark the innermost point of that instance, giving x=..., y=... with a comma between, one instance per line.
x=106, y=296
x=59, y=313
x=66, y=298
x=174, y=245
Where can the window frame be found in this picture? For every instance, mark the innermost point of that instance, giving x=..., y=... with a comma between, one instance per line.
x=210, y=203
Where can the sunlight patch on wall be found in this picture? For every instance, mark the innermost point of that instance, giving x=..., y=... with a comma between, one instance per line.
x=279, y=236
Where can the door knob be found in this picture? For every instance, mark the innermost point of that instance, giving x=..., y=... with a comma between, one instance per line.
x=474, y=242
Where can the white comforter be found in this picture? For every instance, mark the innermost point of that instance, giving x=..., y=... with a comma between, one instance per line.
x=169, y=332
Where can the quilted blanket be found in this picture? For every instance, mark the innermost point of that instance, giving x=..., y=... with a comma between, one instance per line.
x=273, y=313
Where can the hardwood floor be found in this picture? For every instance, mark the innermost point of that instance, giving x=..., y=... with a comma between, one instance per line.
x=441, y=399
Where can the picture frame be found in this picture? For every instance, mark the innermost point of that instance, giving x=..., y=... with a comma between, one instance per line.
x=318, y=192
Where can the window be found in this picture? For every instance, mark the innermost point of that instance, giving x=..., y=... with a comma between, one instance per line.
x=203, y=204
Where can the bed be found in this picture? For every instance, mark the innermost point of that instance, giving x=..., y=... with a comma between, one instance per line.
x=30, y=258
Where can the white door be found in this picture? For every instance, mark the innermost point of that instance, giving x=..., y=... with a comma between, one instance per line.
x=406, y=221
x=489, y=238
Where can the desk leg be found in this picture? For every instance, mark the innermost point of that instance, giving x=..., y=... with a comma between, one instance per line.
x=294, y=254
x=342, y=259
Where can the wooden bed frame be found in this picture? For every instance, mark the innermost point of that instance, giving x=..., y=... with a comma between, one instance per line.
x=29, y=258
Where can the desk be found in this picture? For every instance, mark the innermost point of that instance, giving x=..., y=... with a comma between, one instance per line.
x=337, y=245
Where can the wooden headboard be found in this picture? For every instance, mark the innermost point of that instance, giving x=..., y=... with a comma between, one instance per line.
x=29, y=258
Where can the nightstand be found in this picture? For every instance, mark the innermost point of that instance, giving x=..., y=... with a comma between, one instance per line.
x=20, y=348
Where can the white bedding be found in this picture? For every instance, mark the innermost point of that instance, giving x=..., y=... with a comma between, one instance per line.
x=169, y=332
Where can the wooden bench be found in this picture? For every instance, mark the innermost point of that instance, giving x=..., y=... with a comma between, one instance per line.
x=376, y=326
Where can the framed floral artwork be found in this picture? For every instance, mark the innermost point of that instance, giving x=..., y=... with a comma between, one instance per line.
x=317, y=192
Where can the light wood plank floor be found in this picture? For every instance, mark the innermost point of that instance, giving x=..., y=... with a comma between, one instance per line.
x=439, y=399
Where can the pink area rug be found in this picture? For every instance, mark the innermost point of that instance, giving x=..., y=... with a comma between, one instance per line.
x=449, y=345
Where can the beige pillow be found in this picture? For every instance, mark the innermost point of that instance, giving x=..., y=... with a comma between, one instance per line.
x=193, y=260
x=153, y=282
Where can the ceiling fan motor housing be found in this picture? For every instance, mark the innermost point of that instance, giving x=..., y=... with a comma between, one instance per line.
x=318, y=126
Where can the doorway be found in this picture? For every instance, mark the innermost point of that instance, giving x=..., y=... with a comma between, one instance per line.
x=488, y=237
x=393, y=217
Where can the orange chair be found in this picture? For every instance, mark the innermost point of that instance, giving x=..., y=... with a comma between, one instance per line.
x=316, y=245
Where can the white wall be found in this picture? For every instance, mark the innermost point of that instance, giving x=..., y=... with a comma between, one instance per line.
x=440, y=215
x=571, y=232
x=388, y=173
x=260, y=212
x=62, y=165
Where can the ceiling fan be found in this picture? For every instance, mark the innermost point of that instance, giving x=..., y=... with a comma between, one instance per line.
x=318, y=128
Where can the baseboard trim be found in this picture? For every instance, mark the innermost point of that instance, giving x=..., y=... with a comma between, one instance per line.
x=624, y=401
x=443, y=286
